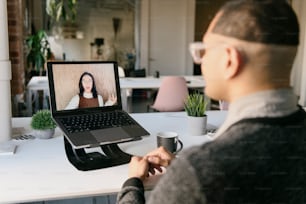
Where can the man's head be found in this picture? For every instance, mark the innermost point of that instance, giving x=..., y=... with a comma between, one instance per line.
x=250, y=46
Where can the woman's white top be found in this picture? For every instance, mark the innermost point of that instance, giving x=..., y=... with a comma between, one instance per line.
x=74, y=102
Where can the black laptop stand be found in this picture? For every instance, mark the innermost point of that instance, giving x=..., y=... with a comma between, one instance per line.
x=94, y=160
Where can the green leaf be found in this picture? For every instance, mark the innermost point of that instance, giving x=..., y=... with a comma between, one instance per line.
x=38, y=50
x=59, y=9
x=195, y=105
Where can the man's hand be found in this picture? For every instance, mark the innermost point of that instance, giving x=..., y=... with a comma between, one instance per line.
x=159, y=158
x=138, y=167
x=112, y=98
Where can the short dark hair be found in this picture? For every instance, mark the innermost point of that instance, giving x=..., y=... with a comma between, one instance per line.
x=93, y=89
x=264, y=21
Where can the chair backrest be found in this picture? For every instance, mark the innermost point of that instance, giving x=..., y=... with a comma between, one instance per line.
x=171, y=95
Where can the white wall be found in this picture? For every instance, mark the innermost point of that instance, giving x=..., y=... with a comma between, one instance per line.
x=177, y=20
x=5, y=77
x=167, y=27
x=298, y=78
x=96, y=22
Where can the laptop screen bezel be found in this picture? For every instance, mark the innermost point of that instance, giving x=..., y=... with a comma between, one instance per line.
x=53, y=105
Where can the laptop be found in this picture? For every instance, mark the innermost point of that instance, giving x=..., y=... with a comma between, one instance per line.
x=86, y=104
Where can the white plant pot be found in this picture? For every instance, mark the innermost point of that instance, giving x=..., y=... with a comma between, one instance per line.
x=197, y=125
x=44, y=134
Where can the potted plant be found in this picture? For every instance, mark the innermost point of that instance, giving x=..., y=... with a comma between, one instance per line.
x=38, y=52
x=43, y=124
x=62, y=10
x=195, y=107
x=63, y=15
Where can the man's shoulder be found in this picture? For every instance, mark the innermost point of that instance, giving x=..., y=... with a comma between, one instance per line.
x=252, y=131
x=247, y=138
x=294, y=122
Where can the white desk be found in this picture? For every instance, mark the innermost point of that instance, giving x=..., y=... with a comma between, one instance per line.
x=39, y=170
x=154, y=83
x=127, y=83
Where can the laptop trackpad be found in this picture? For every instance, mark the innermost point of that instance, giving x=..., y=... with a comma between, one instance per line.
x=110, y=134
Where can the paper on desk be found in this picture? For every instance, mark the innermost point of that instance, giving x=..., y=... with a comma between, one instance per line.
x=7, y=149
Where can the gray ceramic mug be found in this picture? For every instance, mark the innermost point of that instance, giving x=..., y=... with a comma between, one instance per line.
x=170, y=141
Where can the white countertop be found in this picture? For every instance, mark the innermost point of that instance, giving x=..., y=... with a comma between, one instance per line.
x=40, y=170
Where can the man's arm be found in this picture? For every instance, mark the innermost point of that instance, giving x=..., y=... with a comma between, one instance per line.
x=132, y=192
x=139, y=168
x=179, y=185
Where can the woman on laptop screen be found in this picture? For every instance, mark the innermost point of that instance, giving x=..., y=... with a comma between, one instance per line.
x=88, y=95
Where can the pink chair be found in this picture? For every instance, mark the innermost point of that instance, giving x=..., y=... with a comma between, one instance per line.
x=171, y=94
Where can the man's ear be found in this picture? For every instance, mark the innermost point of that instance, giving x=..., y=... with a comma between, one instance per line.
x=234, y=62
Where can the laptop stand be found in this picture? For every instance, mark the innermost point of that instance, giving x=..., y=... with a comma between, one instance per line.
x=94, y=160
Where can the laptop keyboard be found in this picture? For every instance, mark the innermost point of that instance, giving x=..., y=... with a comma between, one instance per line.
x=96, y=121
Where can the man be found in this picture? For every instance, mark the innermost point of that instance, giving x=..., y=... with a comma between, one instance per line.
x=258, y=154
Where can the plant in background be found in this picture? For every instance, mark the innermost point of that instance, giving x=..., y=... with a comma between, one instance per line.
x=62, y=15
x=195, y=105
x=62, y=10
x=42, y=120
x=38, y=51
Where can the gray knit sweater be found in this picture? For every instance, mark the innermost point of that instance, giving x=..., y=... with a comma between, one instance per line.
x=259, y=160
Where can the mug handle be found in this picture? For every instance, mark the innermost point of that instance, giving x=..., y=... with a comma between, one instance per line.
x=180, y=148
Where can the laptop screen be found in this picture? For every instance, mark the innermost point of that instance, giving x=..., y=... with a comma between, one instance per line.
x=86, y=85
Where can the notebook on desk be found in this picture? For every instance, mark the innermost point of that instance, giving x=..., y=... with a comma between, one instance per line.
x=86, y=104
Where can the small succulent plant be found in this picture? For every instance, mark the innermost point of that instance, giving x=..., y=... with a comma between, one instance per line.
x=195, y=105
x=42, y=120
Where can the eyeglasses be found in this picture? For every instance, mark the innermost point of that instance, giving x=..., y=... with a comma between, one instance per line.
x=197, y=51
